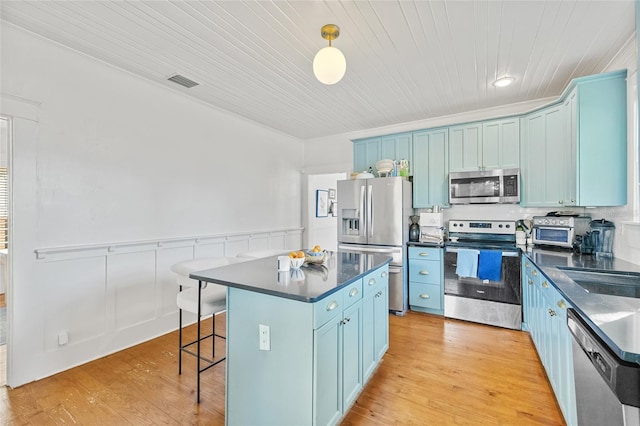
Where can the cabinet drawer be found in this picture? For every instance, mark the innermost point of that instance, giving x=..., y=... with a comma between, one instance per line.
x=352, y=293
x=327, y=308
x=430, y=253
x=425, y=271
x=371, y=281
x=425, y=295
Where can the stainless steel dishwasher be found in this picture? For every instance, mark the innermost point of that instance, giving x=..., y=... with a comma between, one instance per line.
x=607, y=387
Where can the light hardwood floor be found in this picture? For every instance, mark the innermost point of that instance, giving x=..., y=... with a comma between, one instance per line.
x=436, y=372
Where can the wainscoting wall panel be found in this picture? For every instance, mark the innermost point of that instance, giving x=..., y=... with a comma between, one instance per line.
x=106, y=297
x=74, y=295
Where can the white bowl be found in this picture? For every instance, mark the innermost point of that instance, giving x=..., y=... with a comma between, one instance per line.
x=297, y=262
x=364, y=175
x=384, y=164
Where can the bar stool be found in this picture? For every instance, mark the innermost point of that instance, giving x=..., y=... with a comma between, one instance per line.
x=209, y=299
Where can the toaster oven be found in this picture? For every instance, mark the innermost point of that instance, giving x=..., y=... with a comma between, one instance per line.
x=559, y=231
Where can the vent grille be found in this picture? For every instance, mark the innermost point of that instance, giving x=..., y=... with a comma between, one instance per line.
x=182, y=81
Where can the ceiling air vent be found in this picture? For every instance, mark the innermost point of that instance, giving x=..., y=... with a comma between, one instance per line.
x=182, y=81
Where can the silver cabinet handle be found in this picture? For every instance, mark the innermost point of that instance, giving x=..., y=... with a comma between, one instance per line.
x=545, y=284
x=552, y=312
x=354, y=292
x=424, y=296
x=424, y=272
x=372, y=281
x=346, y=320
x=331, y=306
x=378, y=294
x=561, y=304
x=529, y=281
x=423, y=254
x=535, y=273
x=384, y=274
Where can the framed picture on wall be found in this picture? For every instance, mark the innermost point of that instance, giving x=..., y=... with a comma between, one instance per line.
x=332, y=194
x=322, y=203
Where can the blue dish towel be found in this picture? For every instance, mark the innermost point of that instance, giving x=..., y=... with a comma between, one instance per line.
x=467, y=263
x=490, y=265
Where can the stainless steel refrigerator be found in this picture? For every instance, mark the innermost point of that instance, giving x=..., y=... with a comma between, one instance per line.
x=373, y=216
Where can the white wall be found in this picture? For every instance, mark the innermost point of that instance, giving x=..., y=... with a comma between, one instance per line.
x=322, y=231
x=148, y=176
x=335, y=153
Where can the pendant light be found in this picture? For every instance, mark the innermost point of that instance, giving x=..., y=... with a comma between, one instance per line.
x=329, y=64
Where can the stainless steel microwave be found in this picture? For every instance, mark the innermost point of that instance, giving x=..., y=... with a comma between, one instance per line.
x=498, y=186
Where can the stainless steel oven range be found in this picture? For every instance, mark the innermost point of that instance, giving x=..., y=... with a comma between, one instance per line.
x=470, y=295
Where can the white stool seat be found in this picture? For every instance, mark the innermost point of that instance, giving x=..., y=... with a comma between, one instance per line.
x=183, y=269
x=213, y=300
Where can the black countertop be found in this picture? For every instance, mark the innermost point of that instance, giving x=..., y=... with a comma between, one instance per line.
x=307, y=284
x=615, y=319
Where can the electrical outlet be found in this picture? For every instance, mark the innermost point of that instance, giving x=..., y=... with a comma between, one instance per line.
x=63, y=338
x=265, y=337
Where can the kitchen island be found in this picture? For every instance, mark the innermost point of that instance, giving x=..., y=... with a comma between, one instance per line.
x=301, y=344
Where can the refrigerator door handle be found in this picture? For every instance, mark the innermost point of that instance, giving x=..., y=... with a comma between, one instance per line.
x=370, y=207
x=361, y=213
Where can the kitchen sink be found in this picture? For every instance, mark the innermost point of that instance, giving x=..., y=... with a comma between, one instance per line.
x=625, y=284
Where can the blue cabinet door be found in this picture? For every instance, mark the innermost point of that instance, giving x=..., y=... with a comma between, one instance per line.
x=397, y=147
x=601, y=116
x=465, y=145
x=351, y=354
x=327, y=380
x=542, y=160
x=501, y=144
x=381, y=319
x=431, y=171
x=366, y=153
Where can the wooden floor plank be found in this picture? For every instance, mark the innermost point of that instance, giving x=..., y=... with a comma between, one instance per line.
x=436, y=372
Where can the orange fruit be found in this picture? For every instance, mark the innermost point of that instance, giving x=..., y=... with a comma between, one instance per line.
x=317, y=248
x=300, y=254
x=293, y=255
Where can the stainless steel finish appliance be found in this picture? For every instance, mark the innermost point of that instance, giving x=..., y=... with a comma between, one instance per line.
x=607, y=388
x=373, y=215
x=498, y=186
x=432, y=228
x=470, y=298
x=559, y=231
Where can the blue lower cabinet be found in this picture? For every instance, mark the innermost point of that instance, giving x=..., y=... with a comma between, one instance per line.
x=426, y=279
x=426, y=296
x=545, y=313
x=375, y=319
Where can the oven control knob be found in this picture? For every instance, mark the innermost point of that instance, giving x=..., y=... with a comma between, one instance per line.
x=500, y=226
x=508, y=226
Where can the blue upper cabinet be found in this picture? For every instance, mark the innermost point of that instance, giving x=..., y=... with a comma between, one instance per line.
x=493, y=144
x=367, y=152
x=574, y=153
x=465, y=147
x=543, y=158
x=600, y=123
x=431, y=171
x=501, y=143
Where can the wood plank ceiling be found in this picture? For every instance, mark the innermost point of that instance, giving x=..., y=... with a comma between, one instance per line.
x=406, y=60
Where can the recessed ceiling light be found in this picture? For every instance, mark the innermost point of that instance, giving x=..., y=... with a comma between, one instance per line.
x=503, y=81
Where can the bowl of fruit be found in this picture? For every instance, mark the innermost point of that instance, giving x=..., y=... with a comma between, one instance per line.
x=315, y=255
x=296, y=258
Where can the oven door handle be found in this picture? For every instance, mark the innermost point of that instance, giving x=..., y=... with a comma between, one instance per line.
x=505, y=253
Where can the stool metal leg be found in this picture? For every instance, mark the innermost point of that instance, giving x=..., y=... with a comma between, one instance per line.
x=180, y=338
x=199, y=309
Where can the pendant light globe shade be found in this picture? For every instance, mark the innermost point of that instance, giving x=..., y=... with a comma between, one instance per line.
x=329, y=65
